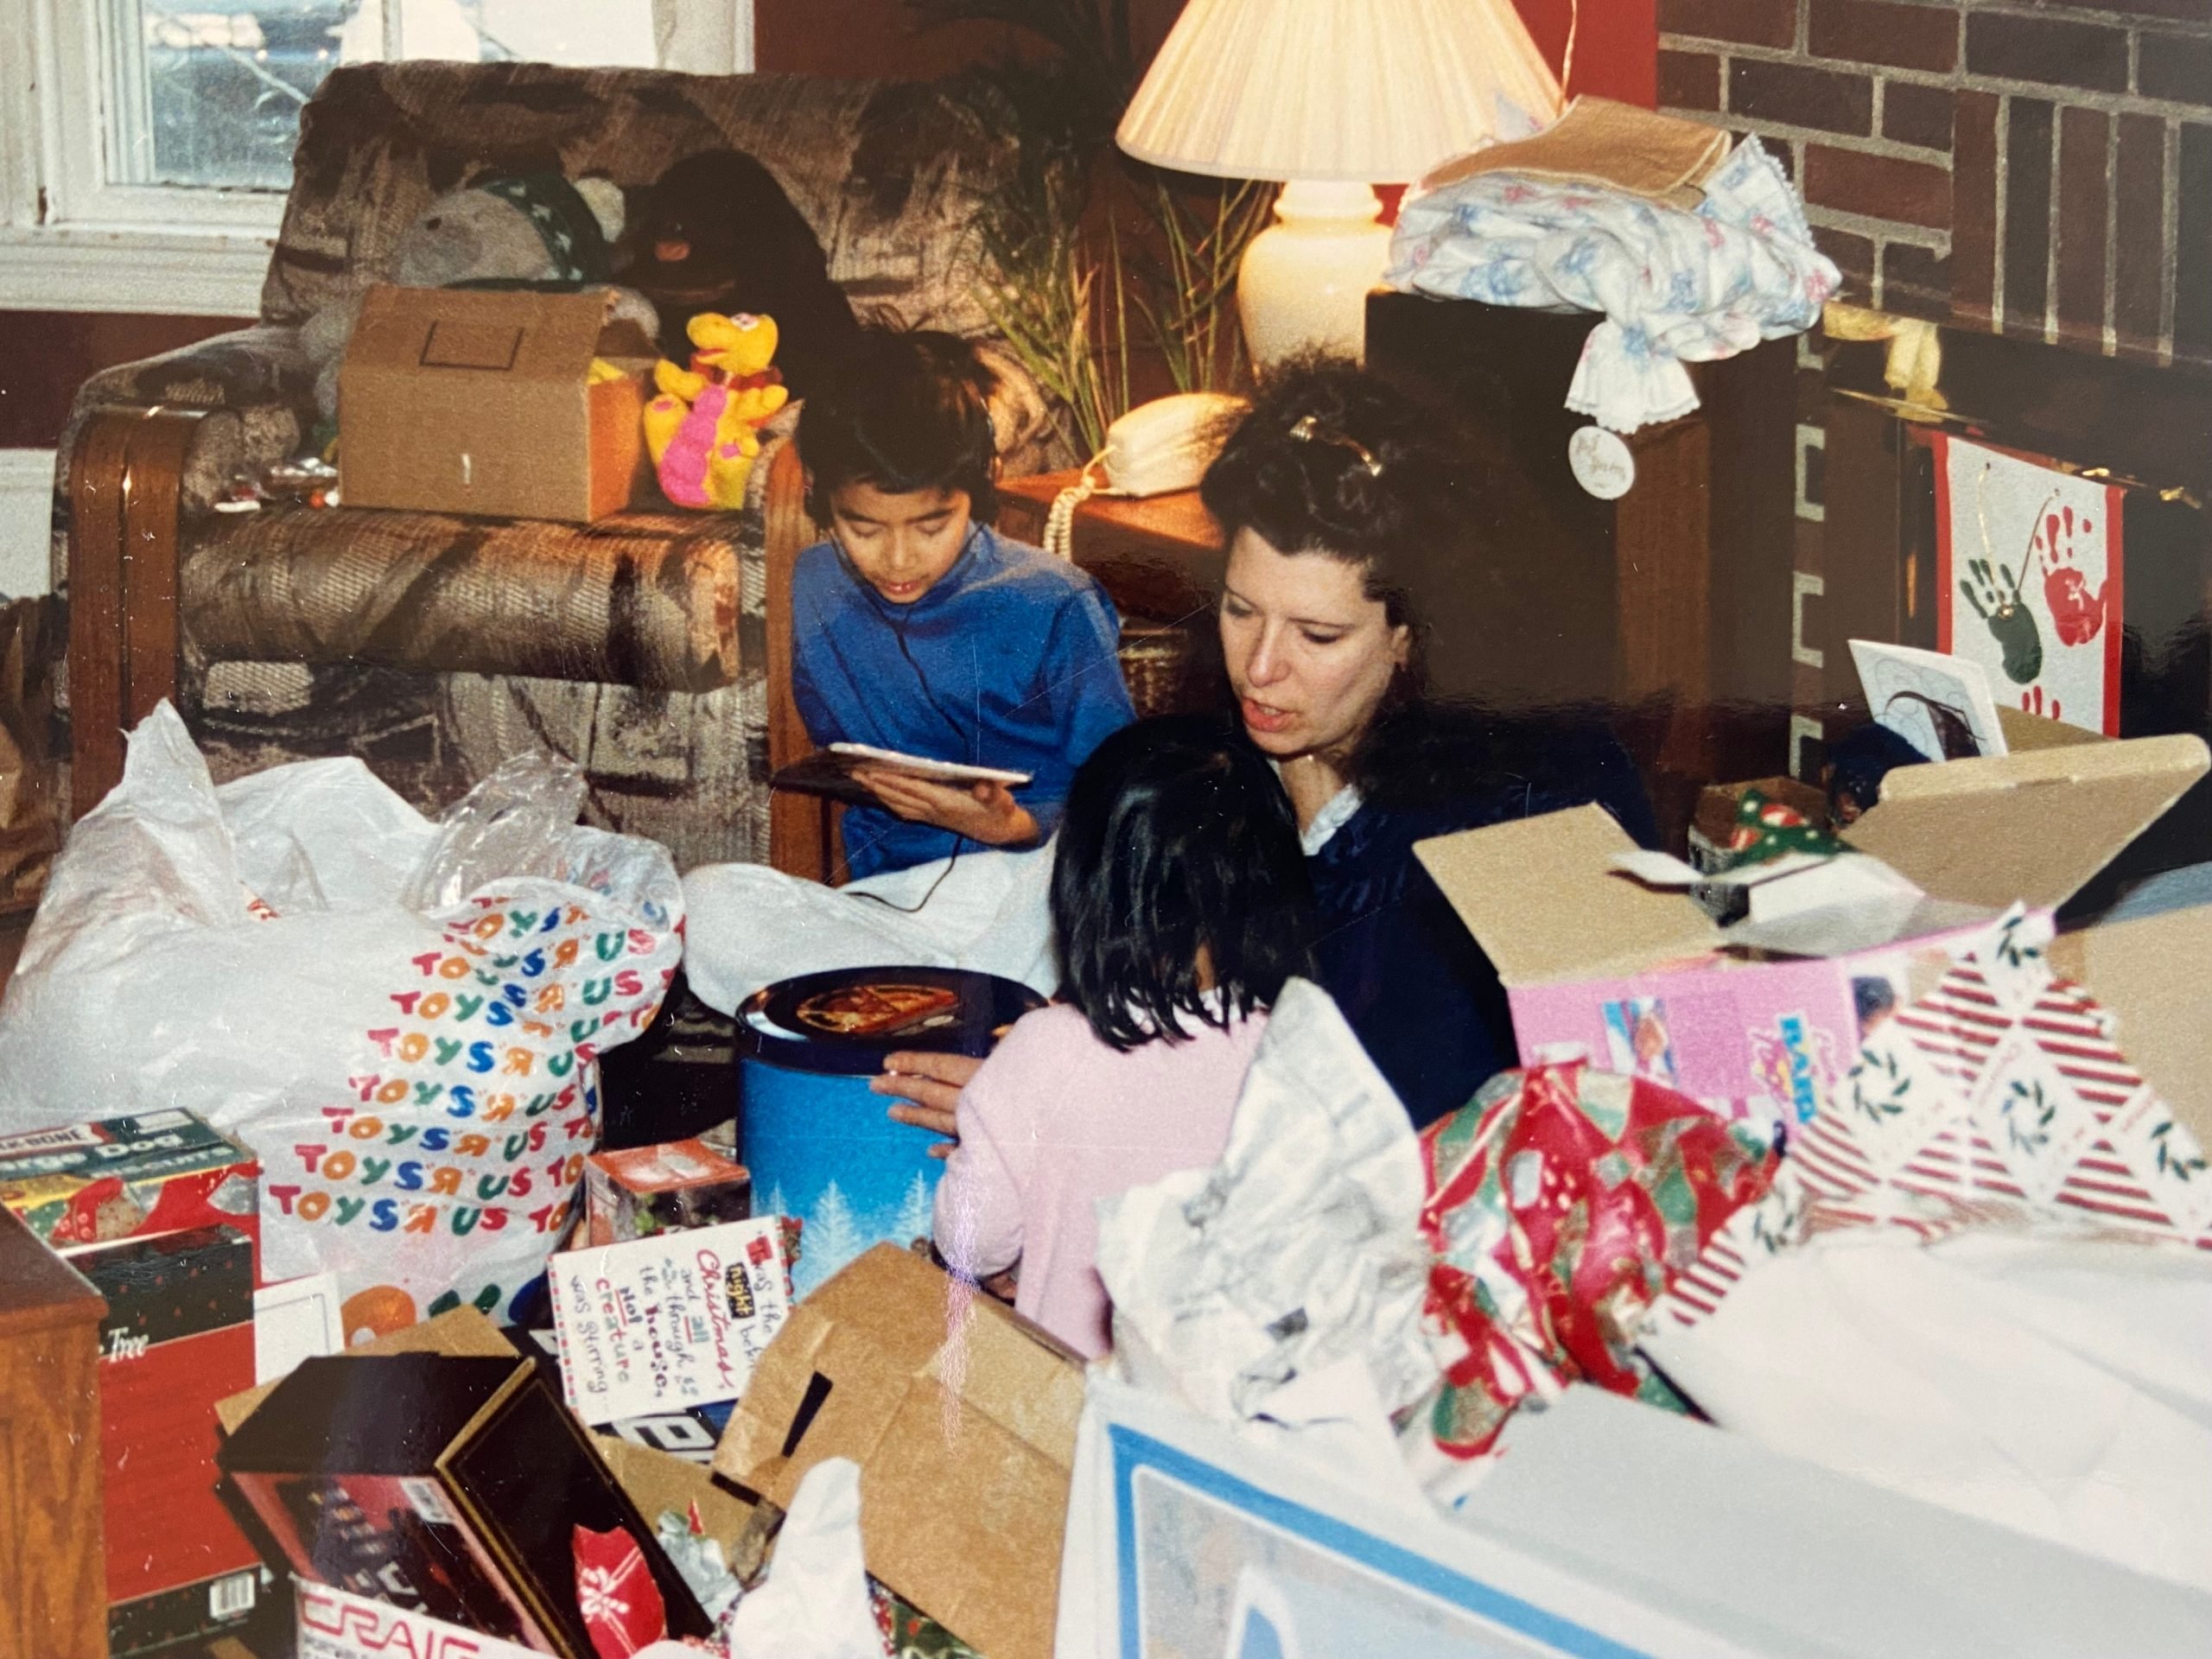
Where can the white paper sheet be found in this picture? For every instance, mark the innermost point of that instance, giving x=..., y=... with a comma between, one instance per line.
x=2060, y=1387
x=1301, y=1248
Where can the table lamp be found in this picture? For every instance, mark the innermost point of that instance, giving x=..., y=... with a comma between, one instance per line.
x=1331, y=96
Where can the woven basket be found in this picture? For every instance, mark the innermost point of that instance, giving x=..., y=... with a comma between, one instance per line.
x=1155, y=661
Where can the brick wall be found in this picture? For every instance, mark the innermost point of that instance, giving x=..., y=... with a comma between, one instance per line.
x=2041, y=168
x=2044, y=168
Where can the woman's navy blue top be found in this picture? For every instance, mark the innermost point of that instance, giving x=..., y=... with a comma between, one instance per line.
x=1420, y=993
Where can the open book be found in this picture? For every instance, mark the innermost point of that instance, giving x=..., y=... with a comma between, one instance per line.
x=830, y=772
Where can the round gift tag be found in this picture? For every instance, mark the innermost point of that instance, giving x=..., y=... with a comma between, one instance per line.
x=1601, y=462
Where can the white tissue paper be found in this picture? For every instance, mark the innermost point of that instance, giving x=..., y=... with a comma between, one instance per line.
x=815, y=1604
x=1675, y=286
x=1299, y=1249
x=2058, y=1385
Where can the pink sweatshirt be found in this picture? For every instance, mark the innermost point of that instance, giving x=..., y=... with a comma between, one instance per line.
x=1056, y=1119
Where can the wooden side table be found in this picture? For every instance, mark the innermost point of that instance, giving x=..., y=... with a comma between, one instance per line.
x=53, y=1574
x=1159, y=559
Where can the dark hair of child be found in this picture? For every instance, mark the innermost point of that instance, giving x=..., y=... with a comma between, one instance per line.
x=1177, y=837
x=1451, y=534
x=902, y=411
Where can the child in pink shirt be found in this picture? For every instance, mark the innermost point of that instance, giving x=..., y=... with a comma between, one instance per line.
x=1179, y=904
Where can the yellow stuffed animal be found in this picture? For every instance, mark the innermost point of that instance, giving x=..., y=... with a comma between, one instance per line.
x=700, y=430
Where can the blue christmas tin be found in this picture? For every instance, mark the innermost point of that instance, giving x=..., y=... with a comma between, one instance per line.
x=816, y=1137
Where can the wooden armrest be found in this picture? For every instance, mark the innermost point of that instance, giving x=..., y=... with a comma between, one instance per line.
x=802, y=838
x=126, y=471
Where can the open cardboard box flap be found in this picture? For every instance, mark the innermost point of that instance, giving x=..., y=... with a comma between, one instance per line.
x=1541, y=897
x=962, y=1418
x=2152, y=975
x=2034, y=826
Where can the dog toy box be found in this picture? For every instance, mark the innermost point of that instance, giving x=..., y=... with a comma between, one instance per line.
x=128, y=1177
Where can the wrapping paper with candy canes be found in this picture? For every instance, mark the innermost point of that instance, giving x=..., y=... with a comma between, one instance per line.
x=2003, y=1096
x=1562, y=1202
x=2028, y=580
x=420, y=1085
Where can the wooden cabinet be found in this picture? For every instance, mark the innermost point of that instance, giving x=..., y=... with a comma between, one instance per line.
x=1670, y=606
x=1160, y=560
x=53, y=1577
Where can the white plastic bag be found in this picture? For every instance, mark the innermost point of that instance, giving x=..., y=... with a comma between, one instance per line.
x=420, y=1087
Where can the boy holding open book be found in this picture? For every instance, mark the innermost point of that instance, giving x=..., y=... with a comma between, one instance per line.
x=918, y=630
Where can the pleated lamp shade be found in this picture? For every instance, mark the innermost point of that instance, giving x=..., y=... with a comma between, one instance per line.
x=1373, y=92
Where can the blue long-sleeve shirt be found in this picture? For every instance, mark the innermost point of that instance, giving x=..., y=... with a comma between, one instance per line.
x=1009, y=661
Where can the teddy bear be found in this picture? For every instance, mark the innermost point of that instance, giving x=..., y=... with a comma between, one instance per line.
x=535, y=230
x=701, y=429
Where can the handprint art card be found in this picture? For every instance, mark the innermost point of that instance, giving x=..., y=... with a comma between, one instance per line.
x=2028, y=580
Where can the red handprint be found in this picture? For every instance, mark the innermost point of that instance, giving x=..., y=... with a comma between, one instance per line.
x=2035, y=702
x=2076, y=614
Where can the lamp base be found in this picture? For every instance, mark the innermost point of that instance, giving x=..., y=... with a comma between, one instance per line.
x=1304, y=283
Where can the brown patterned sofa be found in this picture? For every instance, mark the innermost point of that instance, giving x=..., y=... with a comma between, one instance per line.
x=646, y=646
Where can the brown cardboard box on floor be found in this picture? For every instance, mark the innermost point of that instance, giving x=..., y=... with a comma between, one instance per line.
x=478, y=401
x=962, y=1417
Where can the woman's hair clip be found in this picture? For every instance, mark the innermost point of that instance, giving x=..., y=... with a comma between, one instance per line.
x=1307, y=429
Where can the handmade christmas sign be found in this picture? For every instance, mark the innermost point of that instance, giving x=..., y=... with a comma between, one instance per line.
x=2028, y=580
x=679, y=1319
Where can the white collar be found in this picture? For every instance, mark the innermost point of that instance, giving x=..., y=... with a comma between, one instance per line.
x=1336, y=812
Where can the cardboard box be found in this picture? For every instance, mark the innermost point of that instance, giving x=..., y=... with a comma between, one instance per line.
x=1643, y=981
x=2152, y=974
x=460, y=1332
x=128, y=1178
x=962, y=1417
x=178, y=1337
x=461, y=400
x=638, y=1191
x=450, y=1486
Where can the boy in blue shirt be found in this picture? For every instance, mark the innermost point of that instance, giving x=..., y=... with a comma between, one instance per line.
x=917, y=627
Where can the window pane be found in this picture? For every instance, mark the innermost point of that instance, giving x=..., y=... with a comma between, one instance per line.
x=208, y=93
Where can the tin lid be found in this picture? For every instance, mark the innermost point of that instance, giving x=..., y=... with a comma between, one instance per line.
x=846, y=1020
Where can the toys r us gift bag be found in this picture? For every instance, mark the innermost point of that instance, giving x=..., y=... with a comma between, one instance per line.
x=401, y=1019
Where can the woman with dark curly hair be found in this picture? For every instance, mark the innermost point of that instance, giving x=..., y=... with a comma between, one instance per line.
x=1378, y=637
x=1389, y=637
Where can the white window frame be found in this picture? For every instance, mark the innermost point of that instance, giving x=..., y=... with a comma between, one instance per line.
x=70, y=241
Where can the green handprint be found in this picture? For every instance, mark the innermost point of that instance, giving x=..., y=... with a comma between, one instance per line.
x=2011, y=624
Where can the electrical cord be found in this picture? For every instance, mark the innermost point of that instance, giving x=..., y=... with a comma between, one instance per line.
x=895, y=620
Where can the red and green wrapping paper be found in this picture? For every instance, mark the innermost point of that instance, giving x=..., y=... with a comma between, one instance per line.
x=1562, y=1202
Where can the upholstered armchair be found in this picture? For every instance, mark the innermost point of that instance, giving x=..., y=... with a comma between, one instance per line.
x=650, y=647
